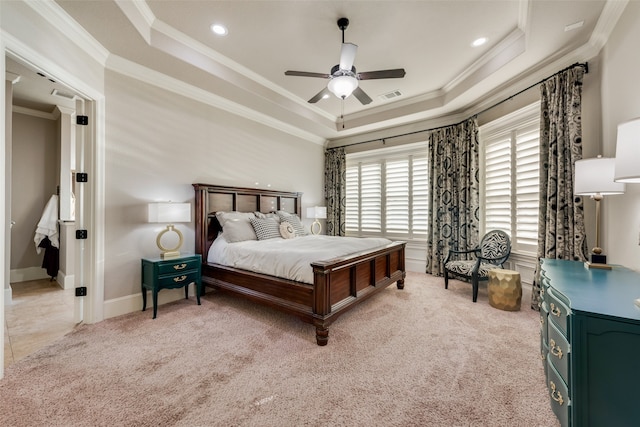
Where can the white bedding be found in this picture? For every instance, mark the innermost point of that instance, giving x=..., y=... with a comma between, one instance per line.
x=287, y=258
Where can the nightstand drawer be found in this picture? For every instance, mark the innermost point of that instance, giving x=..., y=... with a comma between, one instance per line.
x=178, y=280
x=178, y=266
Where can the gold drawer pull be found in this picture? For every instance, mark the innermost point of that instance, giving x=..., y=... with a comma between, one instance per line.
x=555, y=350
x=542, y=291
x=555, y=395
x=541, y=320
x=555, y=310
x=180, y=266
x=180, y=279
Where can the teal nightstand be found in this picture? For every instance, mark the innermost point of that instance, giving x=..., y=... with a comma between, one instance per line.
x=170, y=274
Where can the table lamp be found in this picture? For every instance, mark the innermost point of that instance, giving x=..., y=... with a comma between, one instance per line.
x=316, y=212
x=167, y=212
x=627, y=167
x=594, y=178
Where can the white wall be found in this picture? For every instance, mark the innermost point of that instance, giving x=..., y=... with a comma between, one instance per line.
x=621, y=102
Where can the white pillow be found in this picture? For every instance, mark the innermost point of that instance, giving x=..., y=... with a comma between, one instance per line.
x=226, y=216
x=238, y=230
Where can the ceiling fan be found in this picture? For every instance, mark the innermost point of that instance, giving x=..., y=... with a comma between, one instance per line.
x=343, y=79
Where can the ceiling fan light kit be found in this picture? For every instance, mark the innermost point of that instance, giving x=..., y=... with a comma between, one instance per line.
x=342, y=86
x=343, y=79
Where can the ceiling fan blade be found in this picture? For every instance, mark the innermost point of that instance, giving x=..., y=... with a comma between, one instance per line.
x=347, y=55
x=306, y=74
x=396, y=73
x=320, y=95
x=362, y=96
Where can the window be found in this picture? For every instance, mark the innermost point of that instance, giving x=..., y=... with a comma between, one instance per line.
x=511, y=172
x=387, y=192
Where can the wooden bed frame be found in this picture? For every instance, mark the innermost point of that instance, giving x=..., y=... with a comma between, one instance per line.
x=339, y=284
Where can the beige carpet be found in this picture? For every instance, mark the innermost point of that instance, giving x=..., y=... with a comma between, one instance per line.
x=422, y=356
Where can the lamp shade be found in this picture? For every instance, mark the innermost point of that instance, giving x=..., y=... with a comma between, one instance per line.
x=317, y=212
x=342, y=86
x=595, y=176
x=627, y=166
x=169, y=213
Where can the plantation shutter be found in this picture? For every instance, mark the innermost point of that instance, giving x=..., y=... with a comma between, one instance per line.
x=498, y=184
x=527, y=185
x=387, y=192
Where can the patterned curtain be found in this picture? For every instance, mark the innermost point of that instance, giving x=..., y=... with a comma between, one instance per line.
x=561, y=231
x=454, y=191
x=334, y=190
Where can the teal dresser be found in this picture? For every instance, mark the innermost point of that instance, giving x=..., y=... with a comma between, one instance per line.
x=590, y=343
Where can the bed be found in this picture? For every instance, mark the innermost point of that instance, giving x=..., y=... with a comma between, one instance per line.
x=338, y=285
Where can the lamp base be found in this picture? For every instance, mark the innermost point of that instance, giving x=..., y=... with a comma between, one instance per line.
x=316, y=227
x=588, y=264
x=170, y=255
x=598, y=258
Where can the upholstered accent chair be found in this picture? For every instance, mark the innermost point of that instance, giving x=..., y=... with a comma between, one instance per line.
x=474, y=264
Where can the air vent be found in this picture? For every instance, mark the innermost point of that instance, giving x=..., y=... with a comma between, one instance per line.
x=390, y=95
x=64, y=95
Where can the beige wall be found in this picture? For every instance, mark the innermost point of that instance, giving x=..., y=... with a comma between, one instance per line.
x=159, y=143
x=33, y=182
x=621, y=102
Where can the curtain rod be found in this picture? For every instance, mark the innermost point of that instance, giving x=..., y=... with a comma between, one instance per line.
x=584, y=65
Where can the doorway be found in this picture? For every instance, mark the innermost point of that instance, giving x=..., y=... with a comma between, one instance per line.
x=90, y=200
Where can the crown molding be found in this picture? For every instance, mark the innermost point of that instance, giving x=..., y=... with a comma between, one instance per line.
x=136, y=71
x=34, y=113
x=56, y=16
x=147, y=24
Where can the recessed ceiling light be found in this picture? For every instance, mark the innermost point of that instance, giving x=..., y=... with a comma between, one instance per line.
x=325, y=96
x=219, y=29
x=479, y=42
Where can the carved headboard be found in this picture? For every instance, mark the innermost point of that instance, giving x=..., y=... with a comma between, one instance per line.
x=214, y=198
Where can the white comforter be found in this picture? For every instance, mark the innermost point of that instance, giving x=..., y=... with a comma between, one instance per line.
x=287, y=258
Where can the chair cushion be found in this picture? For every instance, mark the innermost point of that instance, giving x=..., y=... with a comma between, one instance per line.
x=494, y=245
x=465, y=268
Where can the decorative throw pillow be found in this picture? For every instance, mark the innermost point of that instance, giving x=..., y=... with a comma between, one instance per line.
x=287, y=231
x=238, y=230
x=266, y=228
x=294, y=220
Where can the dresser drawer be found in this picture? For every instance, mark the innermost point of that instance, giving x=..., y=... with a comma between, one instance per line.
x=559, y=351
x=178, y=280
x=558, y=312
x=558, y=395
x=544, y=320
x=544, y=354
x=178, y=266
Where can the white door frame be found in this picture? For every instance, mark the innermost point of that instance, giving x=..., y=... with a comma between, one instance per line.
x=93, y=205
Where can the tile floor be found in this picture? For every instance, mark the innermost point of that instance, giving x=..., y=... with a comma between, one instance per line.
x=40, y=313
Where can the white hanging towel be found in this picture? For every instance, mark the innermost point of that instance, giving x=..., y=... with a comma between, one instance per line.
x=48, y=225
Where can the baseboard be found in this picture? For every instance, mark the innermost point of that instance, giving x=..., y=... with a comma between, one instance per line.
x=132, y=303
x=27, y=274
x=8, y=295
x=65, y=281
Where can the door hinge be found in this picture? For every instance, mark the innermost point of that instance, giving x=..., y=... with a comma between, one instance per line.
x=81, y=234
x=81, y=291
x=82, y=177
x=82, y=120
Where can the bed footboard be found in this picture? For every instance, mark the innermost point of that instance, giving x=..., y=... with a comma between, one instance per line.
x=341, y=283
